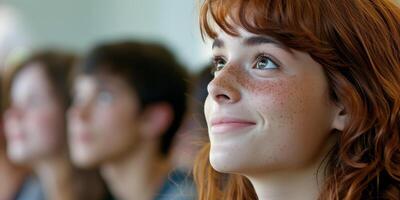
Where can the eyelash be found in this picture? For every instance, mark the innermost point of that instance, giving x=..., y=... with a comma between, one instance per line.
x=215, y=61
x=262, y=55
x=256, y=59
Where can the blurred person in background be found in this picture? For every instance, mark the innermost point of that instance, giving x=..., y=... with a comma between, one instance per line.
x=18, y=186
x=13, y=43
x=35, y=126
x=193, y=132
x=129, y=101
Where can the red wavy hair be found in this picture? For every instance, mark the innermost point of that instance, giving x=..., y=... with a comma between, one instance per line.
x=358, y=44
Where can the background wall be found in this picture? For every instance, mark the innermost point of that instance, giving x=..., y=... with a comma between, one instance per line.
x=79, y=24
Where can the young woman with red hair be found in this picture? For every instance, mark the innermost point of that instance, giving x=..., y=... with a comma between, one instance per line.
x=305, y=102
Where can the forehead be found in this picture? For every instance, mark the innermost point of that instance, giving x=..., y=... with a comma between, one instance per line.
x=31, y=70
x=242, y=33
x=94, y=81
x=30, y=82
x=245, y=39
x=31, y=76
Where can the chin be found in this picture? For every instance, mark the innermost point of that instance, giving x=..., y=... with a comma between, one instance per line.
x=18, y=159
x=83, y=160
x=84, y=163
x=17, y=155
x=225, y=163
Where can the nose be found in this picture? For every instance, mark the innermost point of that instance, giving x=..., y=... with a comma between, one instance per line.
x=80, y=111
x=224, y=88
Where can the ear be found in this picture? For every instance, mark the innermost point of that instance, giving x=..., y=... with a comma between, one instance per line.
x=155, y=120
x=340, y=118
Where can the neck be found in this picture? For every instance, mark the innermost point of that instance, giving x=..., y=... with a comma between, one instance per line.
x=301, y=183
x=12, y=176
x=137, y=175
x=296, y=184
x=55, y=175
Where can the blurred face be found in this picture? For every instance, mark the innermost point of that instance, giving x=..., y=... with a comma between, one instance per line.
x=102, y=121
x=34, y=122
x=268, y=108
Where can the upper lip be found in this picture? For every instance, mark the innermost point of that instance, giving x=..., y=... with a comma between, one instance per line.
x=229, y=120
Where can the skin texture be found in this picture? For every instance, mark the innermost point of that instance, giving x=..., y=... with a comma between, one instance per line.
x=269, y=115
x=34, y=119
x=103, y=120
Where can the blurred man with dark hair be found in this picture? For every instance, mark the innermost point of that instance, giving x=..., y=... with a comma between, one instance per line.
x=130, y=98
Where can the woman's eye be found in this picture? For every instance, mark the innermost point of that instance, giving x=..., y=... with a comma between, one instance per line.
x=219, y=63
x=264, y=62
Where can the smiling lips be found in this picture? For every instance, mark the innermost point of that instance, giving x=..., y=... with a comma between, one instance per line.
x=221, y=125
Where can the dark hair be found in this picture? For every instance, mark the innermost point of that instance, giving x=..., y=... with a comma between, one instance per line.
x=151, y=70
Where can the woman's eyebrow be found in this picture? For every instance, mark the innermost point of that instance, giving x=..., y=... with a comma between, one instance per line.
x=260, y=40
x=253, y=41
x=250, y=41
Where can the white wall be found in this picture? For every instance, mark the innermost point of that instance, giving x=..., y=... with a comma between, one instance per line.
x=79, y=24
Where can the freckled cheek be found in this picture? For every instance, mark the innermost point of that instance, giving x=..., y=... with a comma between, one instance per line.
x=279, y=102
x=284, y=113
